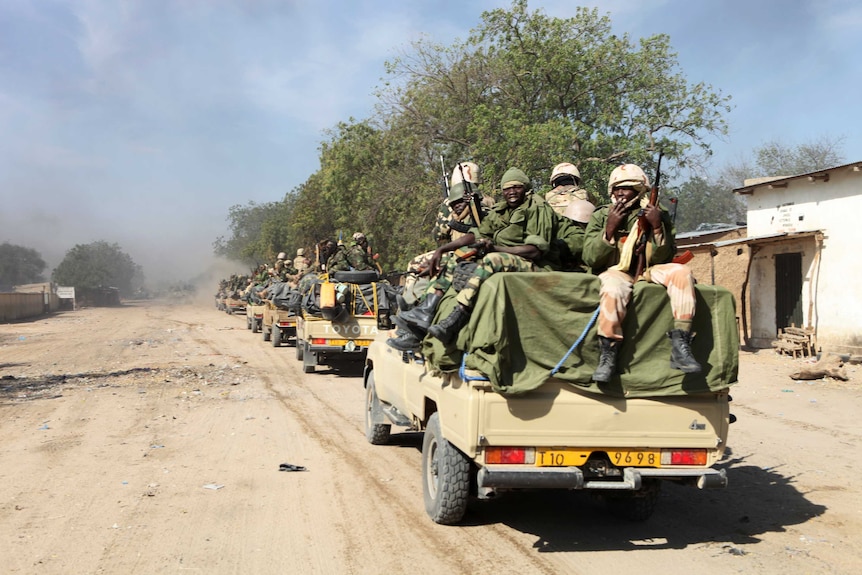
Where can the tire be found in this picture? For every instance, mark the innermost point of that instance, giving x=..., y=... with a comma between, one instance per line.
x=255, y=325
x=375, y=433
x=355, y=277
x=300, y=348
x=267, y=334
x=635, y=505
x=309, y=361
x=445, y=476
x=276, y=336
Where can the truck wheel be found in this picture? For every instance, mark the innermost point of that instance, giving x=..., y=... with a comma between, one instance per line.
x=255, y=326
x=300, y=347
x=276, y=336
x=309, y=361
x=266, y=333
x=635, y=505
x=375, y=433
x=445, y=476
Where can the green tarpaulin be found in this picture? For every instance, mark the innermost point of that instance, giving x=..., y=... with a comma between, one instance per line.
x=523, y=324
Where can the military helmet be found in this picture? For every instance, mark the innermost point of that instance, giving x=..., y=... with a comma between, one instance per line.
x=566, y=169
x=628, y=175
x=580, y=211
x=457, y=192
x=471, y=173
x=514, y=177
x=300, y=252
x=358, y=237
x=281, y=256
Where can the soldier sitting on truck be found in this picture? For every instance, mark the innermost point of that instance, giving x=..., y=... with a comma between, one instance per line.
x=358, y=254
x=518, y=235
x=610, y=250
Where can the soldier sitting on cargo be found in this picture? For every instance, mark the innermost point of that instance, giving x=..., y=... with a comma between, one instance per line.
x=610, y=250
x=358, y=255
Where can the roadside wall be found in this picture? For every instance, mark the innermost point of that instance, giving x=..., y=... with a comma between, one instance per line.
x=14, y=306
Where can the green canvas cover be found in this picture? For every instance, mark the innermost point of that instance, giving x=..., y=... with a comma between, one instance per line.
x=524, y=323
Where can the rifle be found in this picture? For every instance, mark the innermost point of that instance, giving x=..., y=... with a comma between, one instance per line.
x=643, y=223
x=446, y=189
x=471, y=197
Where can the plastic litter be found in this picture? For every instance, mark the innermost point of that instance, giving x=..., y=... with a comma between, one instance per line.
x=213, y=486
x=291, y=467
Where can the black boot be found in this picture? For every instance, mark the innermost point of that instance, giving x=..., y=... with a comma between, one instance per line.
x=607, y=361
x=447, y=330
x=420, y=316
x=681, y=357
x=402, y=303
x=406, y=341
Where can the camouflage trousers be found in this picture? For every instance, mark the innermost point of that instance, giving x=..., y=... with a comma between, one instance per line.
x=616, y=292
x=487, y=266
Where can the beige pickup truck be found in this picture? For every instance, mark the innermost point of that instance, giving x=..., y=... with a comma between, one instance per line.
x=341, y=336
x=278, y=325
x=513, y=406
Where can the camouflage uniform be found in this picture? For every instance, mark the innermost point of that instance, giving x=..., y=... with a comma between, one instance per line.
x=338, y=261
x=300, y=262
x=358, y=258
x=561, y=196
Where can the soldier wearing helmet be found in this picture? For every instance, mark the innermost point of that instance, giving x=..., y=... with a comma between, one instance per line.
x=300, y=262
x=359, y=254
x=566, y=182
x=612, y=248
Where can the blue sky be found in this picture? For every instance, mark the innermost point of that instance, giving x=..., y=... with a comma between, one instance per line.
x=141, y=122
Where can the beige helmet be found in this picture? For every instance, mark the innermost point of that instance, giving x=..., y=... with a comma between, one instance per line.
x=471, y=173
x=358, y=237
x=580, y=211
x=566, y=169
x=628, y=175
x=281, y=256
x=300, y=252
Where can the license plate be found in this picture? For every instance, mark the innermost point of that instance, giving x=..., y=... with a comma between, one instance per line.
x=563, y=457
x=357, y=342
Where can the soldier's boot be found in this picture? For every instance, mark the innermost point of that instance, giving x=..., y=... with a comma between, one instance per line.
x=418, y=318
x=608, y=349
x=447, y=330
x=402, y=303
x=681, y=357
x=406, y=341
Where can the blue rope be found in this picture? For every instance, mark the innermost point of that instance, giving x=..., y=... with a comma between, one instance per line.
x=578, y=342
x=462, y=371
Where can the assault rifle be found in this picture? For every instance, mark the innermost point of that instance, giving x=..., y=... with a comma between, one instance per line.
x=644, y=225
x=446, y=189
x=472, y=200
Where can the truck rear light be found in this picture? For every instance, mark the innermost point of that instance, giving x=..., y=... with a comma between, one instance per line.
x=318, y=341
x=525, y=455
x=683, y=457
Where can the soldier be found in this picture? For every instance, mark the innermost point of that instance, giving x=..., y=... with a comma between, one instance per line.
x=566, y=182
x=518, y=235
x=611, y=249
x=358, y=255
x=337, y=260
x=300, y=262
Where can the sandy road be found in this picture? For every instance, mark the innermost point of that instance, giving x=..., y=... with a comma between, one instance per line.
x=147, y=439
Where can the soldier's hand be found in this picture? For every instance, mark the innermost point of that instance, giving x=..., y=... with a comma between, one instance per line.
x=653, y=216
x=616, y=215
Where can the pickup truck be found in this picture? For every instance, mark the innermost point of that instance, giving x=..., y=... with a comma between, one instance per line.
x=254, y=317
x=512, y=404
x=279, y=325
x=341, y=335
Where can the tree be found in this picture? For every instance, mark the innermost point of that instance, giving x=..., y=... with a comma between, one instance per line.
x=244, y=243
x=99, y=265
x=532, y=91
x=777, y=159
x=20, y=265
x=701, y=202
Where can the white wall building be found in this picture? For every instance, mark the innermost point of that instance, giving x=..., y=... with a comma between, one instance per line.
x=805, y=236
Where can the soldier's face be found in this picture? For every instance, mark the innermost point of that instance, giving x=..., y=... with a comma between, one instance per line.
x=514, y=196
x=624, y=194
x=458, y=205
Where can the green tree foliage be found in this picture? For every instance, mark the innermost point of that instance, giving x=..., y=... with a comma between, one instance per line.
x=700, y=202
x=777, y=159
x=20, y=265
x=245, y=243
x=98, y=265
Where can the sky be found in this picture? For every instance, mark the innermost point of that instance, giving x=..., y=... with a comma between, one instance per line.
x=141, y=122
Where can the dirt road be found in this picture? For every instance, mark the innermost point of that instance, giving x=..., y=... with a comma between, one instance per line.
x=147, y=439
